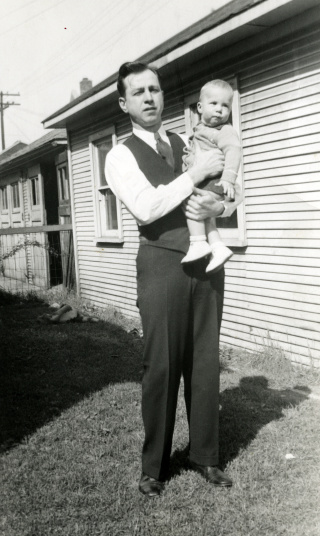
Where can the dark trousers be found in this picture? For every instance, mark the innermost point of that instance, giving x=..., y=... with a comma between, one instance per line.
x=181, y=310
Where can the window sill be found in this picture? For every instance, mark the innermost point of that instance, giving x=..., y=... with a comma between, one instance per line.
x=108, y=240
x=235, y=243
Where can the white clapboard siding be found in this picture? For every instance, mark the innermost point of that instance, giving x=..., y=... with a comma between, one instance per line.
x=308, y=143
x=273, y=267
x=313, y=167
x=288, y=306
x=271, y=333
x=107, y=275
x=298, y=57
x=272, y=288
x=285, y=291
x=306, y=181
x=273, y=319
x=304, y=284
x=109, y=288
x=291, y=224
x=254, y=340
x=266, y=134
x=288, y=216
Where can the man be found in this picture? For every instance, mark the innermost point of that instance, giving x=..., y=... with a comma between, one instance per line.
x=180, y=306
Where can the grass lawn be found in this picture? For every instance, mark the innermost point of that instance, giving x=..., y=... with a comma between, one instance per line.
x=72, y=433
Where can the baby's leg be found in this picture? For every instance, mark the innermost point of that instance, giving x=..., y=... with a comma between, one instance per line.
x=212, y=231
x=220, y=252
x=199, y=246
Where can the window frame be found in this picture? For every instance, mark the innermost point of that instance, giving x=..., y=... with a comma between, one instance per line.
x=234, y=237
x=16, y=184
x=4, y=189
x=35, y=180
x=5, y=213
x=103, y=234
x=16, y=213
x=36, y=213
x=63, y=182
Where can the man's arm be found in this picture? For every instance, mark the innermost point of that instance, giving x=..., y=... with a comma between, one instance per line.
x=202, y=205
x=145, y=202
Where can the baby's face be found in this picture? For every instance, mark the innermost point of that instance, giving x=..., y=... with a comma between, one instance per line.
x=215, y=106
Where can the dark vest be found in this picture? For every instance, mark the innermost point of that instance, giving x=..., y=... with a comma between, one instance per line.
x=170, y=231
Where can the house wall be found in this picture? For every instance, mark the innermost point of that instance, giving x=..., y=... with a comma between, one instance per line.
x=106, y=272
x=21, y=258
x=25, y=256
x=272, y=285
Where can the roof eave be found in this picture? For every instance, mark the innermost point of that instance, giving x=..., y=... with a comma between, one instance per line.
x=241, y=23
x=36, y=154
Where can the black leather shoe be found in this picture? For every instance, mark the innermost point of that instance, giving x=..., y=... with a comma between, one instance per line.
x=212, y=474
x=150, y=486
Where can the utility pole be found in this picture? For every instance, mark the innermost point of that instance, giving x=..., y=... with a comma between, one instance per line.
x=3, y=106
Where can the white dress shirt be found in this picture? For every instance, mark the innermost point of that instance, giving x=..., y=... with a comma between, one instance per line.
x=145, y=202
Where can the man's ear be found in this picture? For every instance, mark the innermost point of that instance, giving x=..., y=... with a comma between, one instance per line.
x=123, y=105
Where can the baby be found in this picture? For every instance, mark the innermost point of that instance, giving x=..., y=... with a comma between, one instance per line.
x=213, y=133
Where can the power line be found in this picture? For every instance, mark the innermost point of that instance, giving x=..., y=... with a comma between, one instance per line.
x=76, y=65
x=61, y=55
x=18, y=9
x=31, y=18
x=109, y=40
x=21, y=131
x=25, y=120
x=3, y=107
x=27, y=111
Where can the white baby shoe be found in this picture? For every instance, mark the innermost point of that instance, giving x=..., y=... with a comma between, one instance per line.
x=220, y=255
x=197, y=250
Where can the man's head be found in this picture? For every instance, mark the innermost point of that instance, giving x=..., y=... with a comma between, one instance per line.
x=141, y=95
x=215, y=102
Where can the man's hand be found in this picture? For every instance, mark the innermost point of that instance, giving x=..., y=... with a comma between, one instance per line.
x=202, y=205
x=208, y=164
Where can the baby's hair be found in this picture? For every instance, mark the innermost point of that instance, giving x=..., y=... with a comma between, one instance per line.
x=216, y=83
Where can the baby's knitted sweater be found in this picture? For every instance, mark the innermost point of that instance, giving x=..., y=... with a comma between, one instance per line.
x=223, y=137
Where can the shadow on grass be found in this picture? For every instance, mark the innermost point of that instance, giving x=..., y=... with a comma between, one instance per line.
x=244, y=411
x=46, y=368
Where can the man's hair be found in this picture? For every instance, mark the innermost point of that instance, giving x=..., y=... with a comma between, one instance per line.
x=216, y=83
x=132, y=67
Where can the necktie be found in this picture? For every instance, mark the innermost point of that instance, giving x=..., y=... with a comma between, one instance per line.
x=164, y=150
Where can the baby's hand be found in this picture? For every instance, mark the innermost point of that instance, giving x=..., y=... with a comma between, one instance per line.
x=228, y=189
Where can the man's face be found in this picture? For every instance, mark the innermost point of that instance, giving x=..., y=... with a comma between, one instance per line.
x=215, y=106
x=143, y=100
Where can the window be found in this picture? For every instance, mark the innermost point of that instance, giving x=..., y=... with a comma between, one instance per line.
x=64, y=191
x=108, y=207
x=3, y=198
x=35, y=190
x=232, y=229
x=15, y=195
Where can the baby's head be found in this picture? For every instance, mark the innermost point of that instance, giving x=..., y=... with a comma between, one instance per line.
x=215, y=103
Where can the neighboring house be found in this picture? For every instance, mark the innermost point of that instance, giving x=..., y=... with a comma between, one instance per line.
x=14, y=148
x=35, y=217
x=270, y=51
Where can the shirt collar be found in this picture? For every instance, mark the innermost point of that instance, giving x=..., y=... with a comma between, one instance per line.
x=148, y=137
